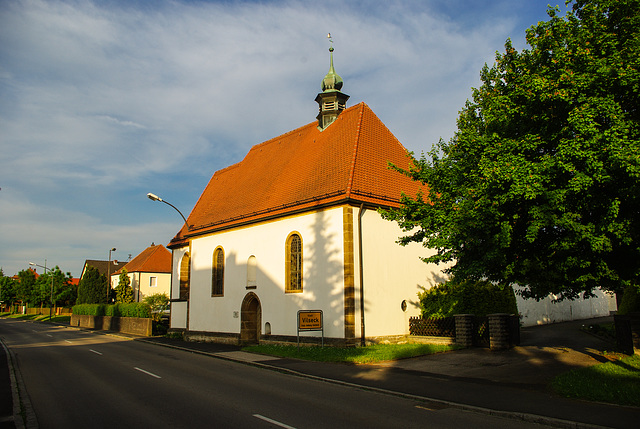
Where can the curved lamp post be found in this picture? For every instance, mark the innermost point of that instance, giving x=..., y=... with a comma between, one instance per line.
x=45, y=270
x=154, y=197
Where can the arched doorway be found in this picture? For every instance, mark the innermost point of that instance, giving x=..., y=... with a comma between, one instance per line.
x=250, y=319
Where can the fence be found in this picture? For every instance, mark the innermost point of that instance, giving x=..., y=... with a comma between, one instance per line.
x=497, y=331
x=57, y=311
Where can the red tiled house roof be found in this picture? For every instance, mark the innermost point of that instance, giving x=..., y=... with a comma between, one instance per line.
x=303, y=169
x=154, y=259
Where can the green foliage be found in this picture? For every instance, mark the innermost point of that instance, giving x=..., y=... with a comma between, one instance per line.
x=467, y=297
x=92, y=288
x=540, y=185
x=630, y=300
x=159, y=302
x=124, y=292
x=133, y=309
x=89, y=309
x=616, y=382
x=25, y=286
x=7, y=290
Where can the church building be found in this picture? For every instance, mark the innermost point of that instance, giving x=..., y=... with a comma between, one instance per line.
x=294, y=227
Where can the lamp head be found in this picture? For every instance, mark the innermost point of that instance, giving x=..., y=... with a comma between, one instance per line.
x=113, y=250
x=153, y=197
x=32, y=263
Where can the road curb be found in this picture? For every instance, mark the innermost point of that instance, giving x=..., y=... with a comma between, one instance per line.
x=21, y=401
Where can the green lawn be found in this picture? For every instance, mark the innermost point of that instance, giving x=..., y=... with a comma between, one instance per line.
x=615, y=382
x=369, y=354
x=37, y=317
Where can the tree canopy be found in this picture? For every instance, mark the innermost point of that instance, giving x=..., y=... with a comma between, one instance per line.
x=540, y=185
x=124, y=292
x=92, y=288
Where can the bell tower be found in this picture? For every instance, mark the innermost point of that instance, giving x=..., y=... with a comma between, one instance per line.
x=330, y=101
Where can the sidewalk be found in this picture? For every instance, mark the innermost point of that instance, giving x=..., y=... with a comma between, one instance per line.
x=510, y=383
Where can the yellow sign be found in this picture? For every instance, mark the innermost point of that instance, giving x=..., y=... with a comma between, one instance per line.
x=310, y=320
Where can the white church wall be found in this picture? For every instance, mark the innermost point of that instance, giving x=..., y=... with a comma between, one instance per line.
x=178, y=319
x=392, y=274
x=322, y=240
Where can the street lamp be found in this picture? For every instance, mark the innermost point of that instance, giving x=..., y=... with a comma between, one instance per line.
x=109, y=274
x=45, y=270
x=154, y=197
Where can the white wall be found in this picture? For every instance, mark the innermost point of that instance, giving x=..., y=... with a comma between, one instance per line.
x=178, y=309
x=322, y=240
x=547, y=311
x=392, y=274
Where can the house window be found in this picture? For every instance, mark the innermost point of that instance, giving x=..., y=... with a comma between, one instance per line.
x=217, y=272
x=185, y=270
x=153, y=281
x=293, y=263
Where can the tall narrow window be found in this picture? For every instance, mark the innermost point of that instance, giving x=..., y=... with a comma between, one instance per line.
x=252, y=268
x=153, y=281
x=293, y=263
x=217, y=272
x=185, y=271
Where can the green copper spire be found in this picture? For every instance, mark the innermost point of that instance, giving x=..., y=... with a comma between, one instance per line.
x=331, y=82
x=330, y=101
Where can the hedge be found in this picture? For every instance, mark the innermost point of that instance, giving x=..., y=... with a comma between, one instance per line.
x=134, y=309
x=467, y=297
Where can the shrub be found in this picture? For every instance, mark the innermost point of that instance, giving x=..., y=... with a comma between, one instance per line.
x=134, y=309
x=159, y=302
x=467, y=297
x=89, y=309
x=630, y=300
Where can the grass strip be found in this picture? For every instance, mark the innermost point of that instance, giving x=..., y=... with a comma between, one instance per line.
x=614, y=382
x=369, y=354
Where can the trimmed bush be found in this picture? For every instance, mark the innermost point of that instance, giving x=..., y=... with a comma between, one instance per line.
x=467, y=297
x=89, y=309
x=134, y=309
x=630, y=300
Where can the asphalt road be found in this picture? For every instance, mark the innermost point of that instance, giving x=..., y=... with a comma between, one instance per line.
x=78, y=379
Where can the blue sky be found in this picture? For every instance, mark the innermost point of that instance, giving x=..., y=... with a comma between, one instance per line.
x=104, y=101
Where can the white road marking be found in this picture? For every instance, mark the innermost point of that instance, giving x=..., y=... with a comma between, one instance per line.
x=275, y=422
x=49, y=335
x=69, y=341
x=98, y=353
x=147, y=372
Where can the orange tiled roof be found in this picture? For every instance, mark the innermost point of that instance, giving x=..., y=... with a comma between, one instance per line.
x=153, y=259
x=306, y=168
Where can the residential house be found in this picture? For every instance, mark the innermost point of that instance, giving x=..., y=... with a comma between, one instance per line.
x=149, y=272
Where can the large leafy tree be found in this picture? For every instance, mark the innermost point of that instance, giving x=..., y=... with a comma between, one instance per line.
x=540, y=185
x=92, y=288
x=7, y=289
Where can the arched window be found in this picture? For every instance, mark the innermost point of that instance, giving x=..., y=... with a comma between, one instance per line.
x=185, y=271
x=217, y=272
x=293, y=262
x=252, y=268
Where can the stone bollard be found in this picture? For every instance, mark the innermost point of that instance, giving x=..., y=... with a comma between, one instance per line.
x=499, y=331
x=464, y=330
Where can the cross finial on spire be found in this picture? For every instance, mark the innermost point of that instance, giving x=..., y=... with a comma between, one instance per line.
x=330, y=41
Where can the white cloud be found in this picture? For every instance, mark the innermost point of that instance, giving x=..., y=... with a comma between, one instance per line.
x=100, y=101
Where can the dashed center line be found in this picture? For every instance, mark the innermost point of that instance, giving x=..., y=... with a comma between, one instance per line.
x=147, y=372
x=69, y=341
x=274, y=422
x=49, y=335
x=96, y=352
